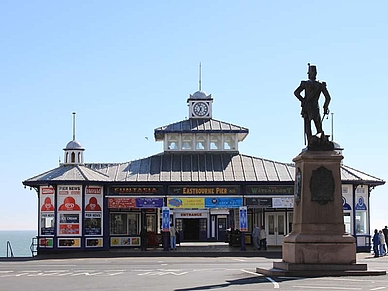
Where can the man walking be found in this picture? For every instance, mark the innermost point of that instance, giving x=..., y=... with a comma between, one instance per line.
x=255, y=237
x=263, y=238
x=172, y=237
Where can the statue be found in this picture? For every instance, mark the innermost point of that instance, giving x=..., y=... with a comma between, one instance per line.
x=310, y=106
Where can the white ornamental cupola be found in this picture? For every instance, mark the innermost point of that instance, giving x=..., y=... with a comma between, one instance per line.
x=200, y=104
x=74, y=152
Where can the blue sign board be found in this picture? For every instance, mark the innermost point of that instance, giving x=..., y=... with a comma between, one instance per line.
x=166, y=219
x=243, y=219
x=223, y=202
x=149, y=202
x=361, y=204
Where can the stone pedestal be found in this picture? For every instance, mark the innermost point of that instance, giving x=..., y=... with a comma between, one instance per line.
x=318, y=244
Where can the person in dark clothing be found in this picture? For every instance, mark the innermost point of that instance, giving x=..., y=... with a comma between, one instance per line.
x=143, y=239
x=376, y=243
x=385, y=232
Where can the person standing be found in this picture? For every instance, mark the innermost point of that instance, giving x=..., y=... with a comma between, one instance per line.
x=172, y=237
x=385, y=232
x=143, y=238
x=263, y=238
x=255, y=237
x=382, y=244
x=376, y=243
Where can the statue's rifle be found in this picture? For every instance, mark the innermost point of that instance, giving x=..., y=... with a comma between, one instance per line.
x=325, y=114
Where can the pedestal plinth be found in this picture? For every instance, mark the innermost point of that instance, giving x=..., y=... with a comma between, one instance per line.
x=318, y=244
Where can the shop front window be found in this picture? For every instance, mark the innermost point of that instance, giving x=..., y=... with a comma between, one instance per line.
x=347, y=223
x=133, y=223
x=118, y=223
x=361, y=223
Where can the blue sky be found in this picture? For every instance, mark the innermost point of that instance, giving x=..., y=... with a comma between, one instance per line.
x=127, y=67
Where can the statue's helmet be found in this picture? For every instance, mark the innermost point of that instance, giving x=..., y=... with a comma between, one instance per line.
x=312, y=69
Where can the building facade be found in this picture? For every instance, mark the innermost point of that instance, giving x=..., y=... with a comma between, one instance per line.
x=200, y=182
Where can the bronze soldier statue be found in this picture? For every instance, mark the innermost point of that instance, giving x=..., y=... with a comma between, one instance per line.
x=310, y=106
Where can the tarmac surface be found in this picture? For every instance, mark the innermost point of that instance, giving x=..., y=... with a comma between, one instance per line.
x=188, y=249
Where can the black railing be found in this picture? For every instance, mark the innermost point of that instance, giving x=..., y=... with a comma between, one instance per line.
x=9, y=250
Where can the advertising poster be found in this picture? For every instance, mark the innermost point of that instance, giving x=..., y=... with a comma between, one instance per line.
x=94, y=242
x=47, y=199
x=47, y=223
x=69, y=242
x=283, y=202
x=45, y=242
x=69, y=198
x=93, y=198
x=124, y=241
x=186, y=202
x=93, y=224
x=223, y=202
x=69, y=210
x=47, y=196
x=149, y=202
x=121, y=203
x=93, y=210
x=70, y=229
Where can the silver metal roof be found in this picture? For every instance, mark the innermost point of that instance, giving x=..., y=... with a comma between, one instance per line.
x=69, y=173
x=190, y=168
x=200, y=126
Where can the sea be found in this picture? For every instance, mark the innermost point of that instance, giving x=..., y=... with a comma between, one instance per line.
x=20, y=241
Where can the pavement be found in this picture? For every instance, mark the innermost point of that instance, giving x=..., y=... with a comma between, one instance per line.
x=187, y=249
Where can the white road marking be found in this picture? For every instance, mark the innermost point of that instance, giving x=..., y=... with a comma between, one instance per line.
x=22, y=274
x=378, y=288
x=275, y=284
x=239, y=260
x=114, y=274
x=325, y=287
x=35, y=275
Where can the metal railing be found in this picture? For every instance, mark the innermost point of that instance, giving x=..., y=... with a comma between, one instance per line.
x=9, y=250
x=34, y=246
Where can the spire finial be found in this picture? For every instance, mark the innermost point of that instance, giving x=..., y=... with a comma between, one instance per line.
x=200, y=76
x=74, y=125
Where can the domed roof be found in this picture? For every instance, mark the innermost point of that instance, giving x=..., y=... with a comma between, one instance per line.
x=337, y=146
x=74, y=145
x=200, y=95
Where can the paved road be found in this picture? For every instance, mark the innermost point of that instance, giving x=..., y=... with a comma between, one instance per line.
x=172, y=273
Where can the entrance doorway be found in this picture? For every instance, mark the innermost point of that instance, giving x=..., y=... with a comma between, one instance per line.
x=276, y=228
x=191, y=229
x=221, y=228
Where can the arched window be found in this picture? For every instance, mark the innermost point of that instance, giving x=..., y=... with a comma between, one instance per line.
x=187, y=142
x=229, y=142
x=215, y=142
x=79, y=158
x=200, y=142
x=173, y=142
x=73, y=157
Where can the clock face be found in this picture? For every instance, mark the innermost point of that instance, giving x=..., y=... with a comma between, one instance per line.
x=200, y=109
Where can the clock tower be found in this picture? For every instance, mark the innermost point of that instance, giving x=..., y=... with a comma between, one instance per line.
x=200, y=105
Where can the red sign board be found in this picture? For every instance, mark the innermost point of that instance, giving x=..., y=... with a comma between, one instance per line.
x=121, y=202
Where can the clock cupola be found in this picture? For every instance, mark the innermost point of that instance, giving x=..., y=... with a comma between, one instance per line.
x=200, y=104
